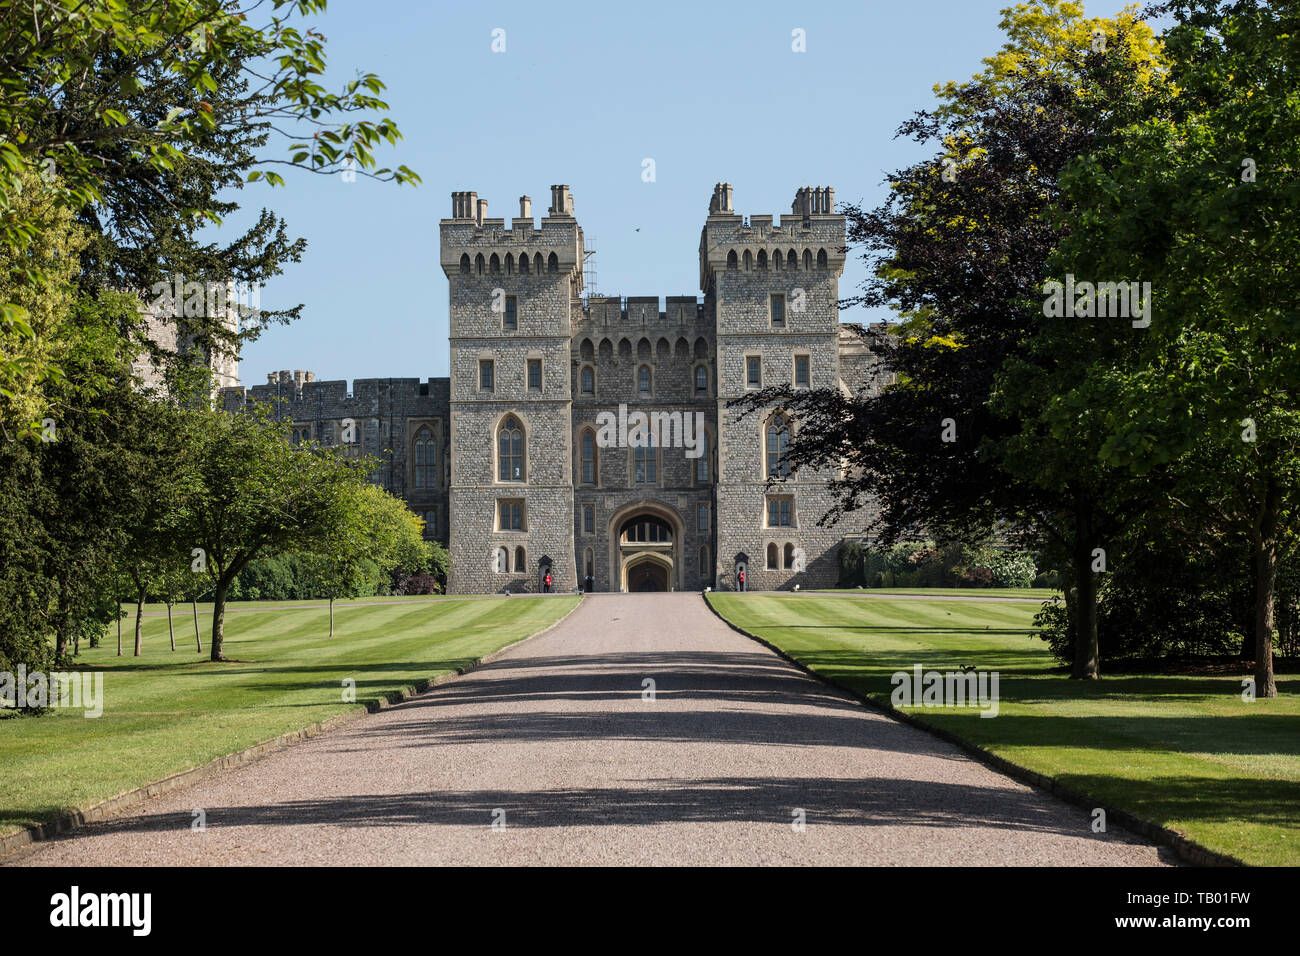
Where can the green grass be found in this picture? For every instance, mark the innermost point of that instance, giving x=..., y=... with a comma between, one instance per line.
x=1184, y=751
x=166, y=712
x=1037, y=595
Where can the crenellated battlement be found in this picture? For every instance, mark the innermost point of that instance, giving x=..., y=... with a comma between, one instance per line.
x=470, y=240
x=811, y=237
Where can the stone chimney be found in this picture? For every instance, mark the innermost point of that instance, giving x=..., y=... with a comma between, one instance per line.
x=464, y=205
x=482, y=211
x=561, y=202
x=525, y=208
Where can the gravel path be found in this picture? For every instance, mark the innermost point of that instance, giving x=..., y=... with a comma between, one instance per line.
x=556, y=738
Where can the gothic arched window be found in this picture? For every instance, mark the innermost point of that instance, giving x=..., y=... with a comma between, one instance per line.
x=588, y=377
x=510, y=451
x=778, y=447
x=425, y=458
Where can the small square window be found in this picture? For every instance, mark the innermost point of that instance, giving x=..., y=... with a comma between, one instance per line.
x=511, y=322
x=802, y=376
x=779, y=513
x=511, y=515
x=486, y=370
x=778, y=311
x=753, y=372
x=535, y=374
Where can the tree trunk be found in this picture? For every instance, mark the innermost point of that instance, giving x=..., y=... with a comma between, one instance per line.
x=197, y=640
x=119, y=628
x=219, y=619
x=171, y=632
x=1264, y=545
x=331, y=617
x=139, y=623
x=1086, y=663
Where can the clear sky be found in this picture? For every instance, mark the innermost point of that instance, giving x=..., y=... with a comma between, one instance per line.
x=582, y=95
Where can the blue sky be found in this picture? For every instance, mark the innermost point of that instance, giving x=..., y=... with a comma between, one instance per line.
x=582, y=95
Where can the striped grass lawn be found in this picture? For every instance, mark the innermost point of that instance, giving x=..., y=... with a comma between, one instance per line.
x=1037, y=595
x=1184, y=751
x=166, y=712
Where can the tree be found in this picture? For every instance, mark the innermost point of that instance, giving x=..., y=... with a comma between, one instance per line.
x=961, y=249
x=105, y=99
x=254, y=493
x=370, y=526
x=1198, y=195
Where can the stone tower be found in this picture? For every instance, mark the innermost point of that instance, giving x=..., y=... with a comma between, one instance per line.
x=511, y=488
x=773, y=288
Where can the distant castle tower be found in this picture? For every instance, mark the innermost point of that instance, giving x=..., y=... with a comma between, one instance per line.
x=511, y=495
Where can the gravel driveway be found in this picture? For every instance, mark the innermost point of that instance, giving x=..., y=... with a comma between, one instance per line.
x=556, y=740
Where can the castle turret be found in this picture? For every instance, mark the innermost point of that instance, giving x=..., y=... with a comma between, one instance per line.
x=774, y=287
x=512, y=291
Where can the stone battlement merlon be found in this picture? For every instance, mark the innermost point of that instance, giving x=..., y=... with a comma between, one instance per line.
x=469, y=234
x=812, y=230
x=639, y=310
x=309, y=391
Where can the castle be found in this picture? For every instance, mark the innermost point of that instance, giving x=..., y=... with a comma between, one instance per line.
x=507, y=459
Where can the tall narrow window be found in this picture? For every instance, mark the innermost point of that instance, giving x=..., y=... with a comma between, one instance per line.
x=512, y=313
x=753, y=372
x=643, y=379
x=702, y=518
x=788, y=557
x=588, y=458
x=701, y=379
x=778, y=311
x=778, y=447
x=424, y=458
x=520, y=559
x=486, y=374
x=647, y=463
x=588, y=519
x=772, y=557
x=801, y=373
x=588, y=377
x=535, y=375
x=702, y=463
x=510, y=451
x=706, y=572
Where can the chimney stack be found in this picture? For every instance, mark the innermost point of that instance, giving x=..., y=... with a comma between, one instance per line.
x=525, y=208
x=482, y=211
x=561, y=202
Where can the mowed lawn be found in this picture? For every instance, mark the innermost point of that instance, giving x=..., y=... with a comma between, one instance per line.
x=1183, y=751
x=166, y=712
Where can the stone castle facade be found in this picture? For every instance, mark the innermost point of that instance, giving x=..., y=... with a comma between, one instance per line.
x=507, y=460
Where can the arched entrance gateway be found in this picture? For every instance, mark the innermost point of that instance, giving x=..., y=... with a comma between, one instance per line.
x=645, y=539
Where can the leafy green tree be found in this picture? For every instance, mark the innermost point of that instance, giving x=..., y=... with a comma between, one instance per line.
x=961, y=249
x=370, y=527
x=1199, y=195
x=103, y=99
x=255, y=493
